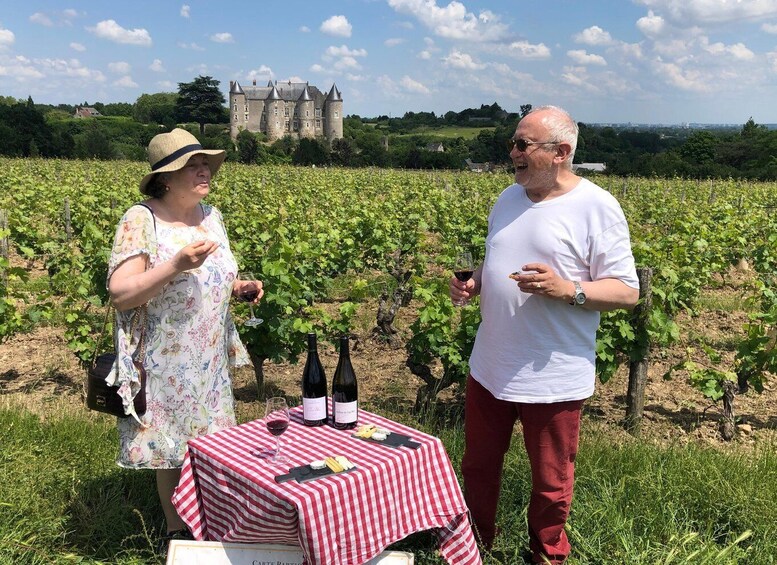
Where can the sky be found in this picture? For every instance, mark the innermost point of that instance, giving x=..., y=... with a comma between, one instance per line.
x=604, y=61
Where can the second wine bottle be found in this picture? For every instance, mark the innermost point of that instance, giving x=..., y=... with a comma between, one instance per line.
x=345, y=396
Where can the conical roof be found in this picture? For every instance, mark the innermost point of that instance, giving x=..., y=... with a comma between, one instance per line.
x=236, y=88
x=274, y=94
x=334, y=95
x=305, y=96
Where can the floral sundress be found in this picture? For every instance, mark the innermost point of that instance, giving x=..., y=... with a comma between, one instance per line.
x=190, y=343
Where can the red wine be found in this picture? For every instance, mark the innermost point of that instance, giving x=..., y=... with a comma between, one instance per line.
x=314, y=408
x=277, y=427
x=248, y=295
x=463, y=276
x=345, y=396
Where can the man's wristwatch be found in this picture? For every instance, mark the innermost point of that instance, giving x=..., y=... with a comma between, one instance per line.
x=579, y=298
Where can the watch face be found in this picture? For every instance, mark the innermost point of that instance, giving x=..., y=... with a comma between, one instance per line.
x=580, y=298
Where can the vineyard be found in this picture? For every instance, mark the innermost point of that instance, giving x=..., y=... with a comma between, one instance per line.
x=369, y=252
x=326, y=240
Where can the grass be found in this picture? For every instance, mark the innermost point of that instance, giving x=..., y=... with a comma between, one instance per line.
x=63, y=500
x=451, y=132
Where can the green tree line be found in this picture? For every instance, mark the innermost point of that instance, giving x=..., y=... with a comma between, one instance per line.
x=411, y=141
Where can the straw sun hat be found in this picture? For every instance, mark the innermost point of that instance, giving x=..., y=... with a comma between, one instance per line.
x=169, y=152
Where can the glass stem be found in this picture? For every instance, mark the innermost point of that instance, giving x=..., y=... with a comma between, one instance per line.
x=277, y=448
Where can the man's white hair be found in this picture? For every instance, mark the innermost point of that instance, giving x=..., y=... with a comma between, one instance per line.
x=561, y=128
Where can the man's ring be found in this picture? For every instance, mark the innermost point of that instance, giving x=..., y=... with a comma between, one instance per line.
x=537, y=285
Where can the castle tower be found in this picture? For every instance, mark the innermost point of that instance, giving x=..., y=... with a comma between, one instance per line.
x=306, y=110
x=238, y=108
x=333, y=113
x=274, y=117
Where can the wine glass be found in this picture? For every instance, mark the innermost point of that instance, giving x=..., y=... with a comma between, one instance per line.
x=276, y=418
x=249, y=290
x=463, y=268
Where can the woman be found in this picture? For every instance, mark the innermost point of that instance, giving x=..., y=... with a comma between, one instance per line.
x=172, y=255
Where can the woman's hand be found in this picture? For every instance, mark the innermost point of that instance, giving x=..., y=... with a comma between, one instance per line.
x=193, y=255
x=246, y=286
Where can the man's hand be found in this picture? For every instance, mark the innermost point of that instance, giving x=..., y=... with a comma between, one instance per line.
x=540, y=279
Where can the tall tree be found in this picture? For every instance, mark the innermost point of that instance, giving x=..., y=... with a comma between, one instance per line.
x=201, y=101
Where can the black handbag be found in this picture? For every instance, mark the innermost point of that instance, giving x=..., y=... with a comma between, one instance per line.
x=101, y=396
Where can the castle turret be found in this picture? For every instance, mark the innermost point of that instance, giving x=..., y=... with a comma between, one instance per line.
x=275, y=119
x=238, y=108
x=333, y=112
x=306, y=111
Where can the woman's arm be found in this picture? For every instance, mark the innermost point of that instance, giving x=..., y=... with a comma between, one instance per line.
x=131, y=285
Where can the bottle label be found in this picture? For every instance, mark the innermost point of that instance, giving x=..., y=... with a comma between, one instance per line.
x=346, y=412
x=314, y=408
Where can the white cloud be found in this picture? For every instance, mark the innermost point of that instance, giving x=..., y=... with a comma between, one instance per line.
x=581, y=57
x=594, y=35
x=412, y=85
x=769, y=28
x=157, y=66
x=110, y=30
x=393, y=41
x=167, y=85
x=453, y=21
x=7, y=38
x=336, y=25
x=356, y=78
x=262, y=72
x=20, y=69
x=344, y=51
x=316, y=68
x=347, y=63
x=55, y=18
x=185, y=11
x=119, y=68
x=425, y=55
x=42, y=19
x=676, y=76
x=223, y=37
x=688, y=13
x=304, y=29
x=525, y=50
x=126, y=82
x=193, y=46
x=651, y=25
x=737, y=51
x=459, y=60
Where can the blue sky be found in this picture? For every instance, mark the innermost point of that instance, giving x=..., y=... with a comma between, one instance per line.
x=645, y=61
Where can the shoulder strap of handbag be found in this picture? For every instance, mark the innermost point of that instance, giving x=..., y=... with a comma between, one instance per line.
x=141, y=311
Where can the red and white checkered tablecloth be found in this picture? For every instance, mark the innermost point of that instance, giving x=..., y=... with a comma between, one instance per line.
x=227, y=493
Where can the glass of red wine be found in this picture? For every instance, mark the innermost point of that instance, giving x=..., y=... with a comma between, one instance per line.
x=462, y=270
x=248, y=293
x=276, y=418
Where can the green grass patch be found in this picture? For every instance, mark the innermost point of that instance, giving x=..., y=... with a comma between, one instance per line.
x=63, y=500
x=451, y=132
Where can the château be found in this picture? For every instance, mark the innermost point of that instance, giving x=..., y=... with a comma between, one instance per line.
x=287, y=108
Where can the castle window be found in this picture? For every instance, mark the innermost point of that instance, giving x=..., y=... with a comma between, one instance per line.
x=318, y=112
x=235, y=118
x=286, y=112
x=276, y=113
x=246, y=107
x=318, y=123
x=335, y=113
x=307, y=113
x=286, y=125
x=235, y=106
x=296, y=125
x=246, y=116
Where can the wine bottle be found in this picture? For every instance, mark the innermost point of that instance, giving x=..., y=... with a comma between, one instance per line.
x=314, y=408
x=345, y=397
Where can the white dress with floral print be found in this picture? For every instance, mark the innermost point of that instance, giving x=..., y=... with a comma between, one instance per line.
x=191, y=341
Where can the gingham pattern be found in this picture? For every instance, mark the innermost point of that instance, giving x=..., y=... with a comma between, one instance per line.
x=227, y=493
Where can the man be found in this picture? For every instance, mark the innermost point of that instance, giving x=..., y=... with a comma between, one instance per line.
x=565, y=242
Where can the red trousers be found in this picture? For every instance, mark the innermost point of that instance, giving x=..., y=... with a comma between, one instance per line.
x=550, y=435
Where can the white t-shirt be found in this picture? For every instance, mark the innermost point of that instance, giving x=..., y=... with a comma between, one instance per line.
x=531, y=348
